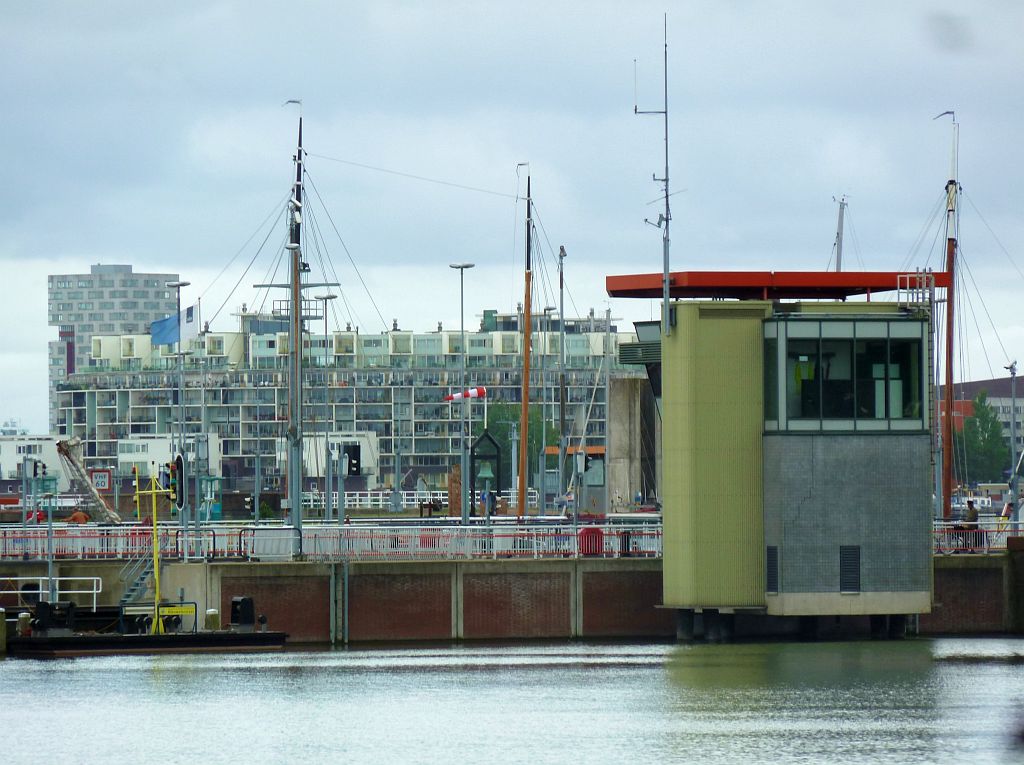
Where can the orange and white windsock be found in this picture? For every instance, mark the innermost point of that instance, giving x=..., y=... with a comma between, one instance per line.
x=479, y=392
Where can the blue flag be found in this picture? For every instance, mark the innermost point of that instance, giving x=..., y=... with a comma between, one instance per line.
x=164, y=331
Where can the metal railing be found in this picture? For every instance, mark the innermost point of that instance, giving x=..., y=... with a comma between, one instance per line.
x=29, y=590
x=381, y=499
x=500, y=540
x=990, y=535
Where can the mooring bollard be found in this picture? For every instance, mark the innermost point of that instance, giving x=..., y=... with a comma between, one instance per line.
x=212, y=622
x=24, y=624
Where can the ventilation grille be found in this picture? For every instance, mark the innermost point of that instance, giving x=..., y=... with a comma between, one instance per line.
x=849, y=568
x=771, y=568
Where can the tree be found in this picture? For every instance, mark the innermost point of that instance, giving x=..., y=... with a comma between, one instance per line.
x=981, y=452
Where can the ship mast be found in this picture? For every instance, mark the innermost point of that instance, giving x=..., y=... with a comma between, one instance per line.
x=296, y=318
x=524, y=417
x=951, y=230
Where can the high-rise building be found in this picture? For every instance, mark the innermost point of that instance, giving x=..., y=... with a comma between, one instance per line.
x=109, y=300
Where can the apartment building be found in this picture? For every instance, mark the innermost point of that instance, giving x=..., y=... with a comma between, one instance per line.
x=109, y=300
x=388, y=386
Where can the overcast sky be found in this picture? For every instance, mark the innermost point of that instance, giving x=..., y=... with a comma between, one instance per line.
x=154, y=134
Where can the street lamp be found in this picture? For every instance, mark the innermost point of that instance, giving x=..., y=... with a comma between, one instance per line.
x=548, y=310
x=463, y=466
x=176, y=286
x=327, y=414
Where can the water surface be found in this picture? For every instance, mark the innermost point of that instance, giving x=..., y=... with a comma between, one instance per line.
x=915, y=701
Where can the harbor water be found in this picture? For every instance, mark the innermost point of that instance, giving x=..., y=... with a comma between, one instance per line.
x=913, y=701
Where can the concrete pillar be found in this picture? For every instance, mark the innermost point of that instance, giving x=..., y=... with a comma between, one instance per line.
x=897, y=626
x=684, y=624
x=712, y=625
x=727, y=627
x=808, y=627
x=879, y=627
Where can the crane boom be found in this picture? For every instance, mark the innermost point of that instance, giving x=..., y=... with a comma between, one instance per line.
x=72, y=462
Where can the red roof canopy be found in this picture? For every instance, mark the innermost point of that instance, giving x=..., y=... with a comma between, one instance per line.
x=767, y=285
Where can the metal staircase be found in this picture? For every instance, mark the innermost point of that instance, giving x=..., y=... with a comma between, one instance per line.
x=136, y=575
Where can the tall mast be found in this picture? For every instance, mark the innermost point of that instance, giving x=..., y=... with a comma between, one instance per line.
x=296, y=317
x=524, y=417
x=665, y=218
x=839, y=234
x=294, y=436
x=951, y=230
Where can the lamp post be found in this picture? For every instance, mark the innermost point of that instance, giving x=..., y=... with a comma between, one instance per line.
x=326, y=298
x=548, y=310
x=463, y=467
x=176, y=286
x=1012, y=368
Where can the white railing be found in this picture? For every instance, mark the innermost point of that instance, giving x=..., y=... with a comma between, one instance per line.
x=364, y=542
x=381, y=499
x=34, y=588
x=989, y=535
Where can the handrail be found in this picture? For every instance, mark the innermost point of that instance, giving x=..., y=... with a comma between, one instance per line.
x=42, y=590
x=345, y=542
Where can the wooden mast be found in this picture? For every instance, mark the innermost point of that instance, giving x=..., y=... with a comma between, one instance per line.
x=524, y=417
x=947, y=423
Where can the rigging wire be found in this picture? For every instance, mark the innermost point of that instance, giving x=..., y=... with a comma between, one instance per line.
x=414, y=177
x=993, y=233
x=327, y=265
x=279, y=207
x=919, y=240
x=351, y=260
x=855, y=239
x=252, y=261
x=984, y=306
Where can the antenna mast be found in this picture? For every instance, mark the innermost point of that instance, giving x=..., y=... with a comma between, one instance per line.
x=665, y=218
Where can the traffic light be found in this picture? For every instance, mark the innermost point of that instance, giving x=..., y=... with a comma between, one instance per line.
x=352, y=452
x=44, y=470
x=35, y=468
x=587, y=459
x=172, y=481
x=179, y=470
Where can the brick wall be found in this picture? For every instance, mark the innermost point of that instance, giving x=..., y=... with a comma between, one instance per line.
x=516, y=605
x=624, y=604
x=400, y=606
x=298, y=605
x=969, y=596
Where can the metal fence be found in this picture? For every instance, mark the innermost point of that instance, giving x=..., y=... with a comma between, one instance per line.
x=336, y=543
x=990, y=535
x=28, y=590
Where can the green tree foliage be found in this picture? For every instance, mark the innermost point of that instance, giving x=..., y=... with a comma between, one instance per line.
x=502, y=423
x=980, y=447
